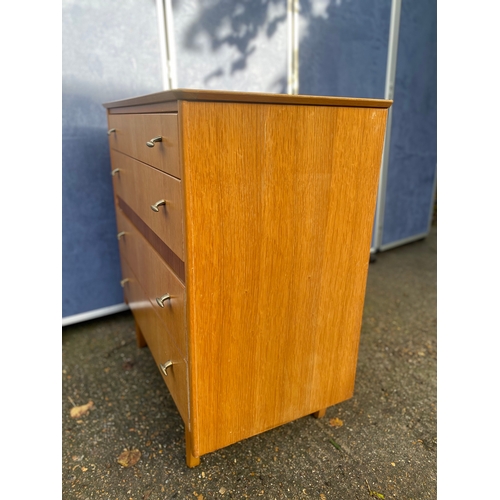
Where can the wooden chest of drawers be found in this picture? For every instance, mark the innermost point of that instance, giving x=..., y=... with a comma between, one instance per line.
x=244, y=226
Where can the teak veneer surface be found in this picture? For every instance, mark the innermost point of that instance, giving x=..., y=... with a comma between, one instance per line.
x=132, y=132
x=140, y=186
x=156, y=280
x=279, y=211
x=275, y=200
x=161, y=345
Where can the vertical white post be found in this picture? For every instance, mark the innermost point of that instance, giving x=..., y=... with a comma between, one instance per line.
x=172, y=59
x=167, y=43
x=390, y=79
x=293, y=47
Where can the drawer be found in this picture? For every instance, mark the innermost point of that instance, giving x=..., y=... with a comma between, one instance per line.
x=159, y=341
x=141, y=186
x=133, y=131
x=156, y=280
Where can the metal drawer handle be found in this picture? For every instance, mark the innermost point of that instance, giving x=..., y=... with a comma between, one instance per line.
x=115, y=171
x=120, y=234
x=154, y=207
x=162, y=299
x=111, y=130
x=151, y=143
x=166, y=365
x=122, y=282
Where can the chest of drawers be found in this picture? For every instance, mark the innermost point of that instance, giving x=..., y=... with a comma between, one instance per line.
x=244, y=227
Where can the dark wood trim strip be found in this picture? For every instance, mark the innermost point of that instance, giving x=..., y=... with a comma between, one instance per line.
x=166, y=253
x=161, y=107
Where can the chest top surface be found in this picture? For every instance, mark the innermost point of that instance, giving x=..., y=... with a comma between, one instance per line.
x=246, y=97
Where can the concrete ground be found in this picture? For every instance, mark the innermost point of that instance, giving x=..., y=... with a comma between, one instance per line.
x=386, y=447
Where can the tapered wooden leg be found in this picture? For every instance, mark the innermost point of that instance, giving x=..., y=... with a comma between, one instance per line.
x=319, y=413
x=139, y=337
x=191, y=460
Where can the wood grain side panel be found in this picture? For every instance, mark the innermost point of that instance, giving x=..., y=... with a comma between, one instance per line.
x=159, y=342
x=141, y=186
x=280, y=204
x=134, y=130
x=156, y=279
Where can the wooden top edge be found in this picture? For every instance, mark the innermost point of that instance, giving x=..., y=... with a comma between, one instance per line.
x=248, y=97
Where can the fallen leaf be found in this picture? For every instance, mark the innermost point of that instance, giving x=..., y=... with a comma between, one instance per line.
x=393, y=464
x=200, y=497
x=336, y=422
x=129, y=458
x=79, y=411
x=222, y=490
x=85, y=469
x=323, y=497
x=374, y=493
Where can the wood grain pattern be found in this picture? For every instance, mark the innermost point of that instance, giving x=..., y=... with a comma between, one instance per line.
x=140, y=186
x=191, y=460
x=279, y=207
x=156, y=279
x=165, y=252
x=160, y=343
x=134, y=130
x=249, y=97
x=139, y=305
x=139, y=337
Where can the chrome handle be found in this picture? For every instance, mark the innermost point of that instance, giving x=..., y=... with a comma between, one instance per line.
x=166, y=365
x=154, y=207
x=151, y=143
x=120, y=234
x=122, y=282
x=162, y=299
x=111, y=130
x=115, y=171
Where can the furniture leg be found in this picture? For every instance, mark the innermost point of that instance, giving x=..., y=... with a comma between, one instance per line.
x=139, y=337
x=319, y=413
x=191, y=460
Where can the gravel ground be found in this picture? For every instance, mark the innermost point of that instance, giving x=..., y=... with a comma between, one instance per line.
x=385, y=447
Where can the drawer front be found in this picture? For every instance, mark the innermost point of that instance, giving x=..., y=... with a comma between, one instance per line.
x=141, y=186
x=159, y=342
x=156, y=279
x=132, y=132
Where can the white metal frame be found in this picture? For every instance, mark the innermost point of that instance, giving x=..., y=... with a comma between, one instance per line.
x=390, y=80
x=167, y=44
x=96, y=313
x=292, y=18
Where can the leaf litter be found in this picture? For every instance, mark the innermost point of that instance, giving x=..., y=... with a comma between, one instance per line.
x=79, y=411
x=128, y=458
